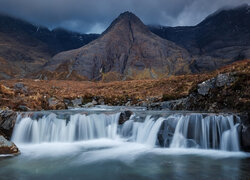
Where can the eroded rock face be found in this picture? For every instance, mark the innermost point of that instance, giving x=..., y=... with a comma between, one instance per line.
x=127, y=48
x=7, y=122
x=8, y=147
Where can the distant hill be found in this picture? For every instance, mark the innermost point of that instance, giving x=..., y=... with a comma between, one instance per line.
x=222, y=38
x=25, y=48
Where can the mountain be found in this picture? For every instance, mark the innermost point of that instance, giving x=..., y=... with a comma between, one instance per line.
x=127, y=49
x=220, y=39
x=25, y=48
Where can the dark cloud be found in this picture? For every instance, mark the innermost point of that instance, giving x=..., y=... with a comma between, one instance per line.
x=96, y=15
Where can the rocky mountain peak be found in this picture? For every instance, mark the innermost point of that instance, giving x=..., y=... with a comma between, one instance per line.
x=127, y=21
x=127, y=49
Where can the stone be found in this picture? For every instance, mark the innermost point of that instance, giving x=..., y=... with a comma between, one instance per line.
x=55, y=104
x=21, y=87
x=224, y=79
x=67, y=102
x=128, y=103
x=245, y=138
x=89, y=105
x=52, y=101
x=166, y=132
x=23, y=108
x=124, y=116
x=7, y=122
x=8, y=147
x=77, y=102
x=101, y=101
x=94, y=102
x=204, y=87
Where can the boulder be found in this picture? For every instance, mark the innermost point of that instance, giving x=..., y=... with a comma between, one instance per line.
x=101, y=101
x=124, y=116
x=77, y=102
x=219, y=81
x=224, y=79
x=204, y=87
x=23, y=108
x=166, y=132
x=7, y=122
x=21, y=87
x=90, y=104
x=8, y=147
x=245, y=138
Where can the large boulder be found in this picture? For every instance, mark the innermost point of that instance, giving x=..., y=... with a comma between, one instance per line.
x=8, y=147
x=7, y=122
x=124, y=116
x=166, y=132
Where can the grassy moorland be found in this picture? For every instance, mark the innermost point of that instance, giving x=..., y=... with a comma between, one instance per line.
x=36, y=94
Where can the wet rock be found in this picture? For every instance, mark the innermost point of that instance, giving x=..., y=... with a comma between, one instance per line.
x=90, y=104
x=124, y=116
x=154, y=106
x=166, y=132
x=94, y=102
x=7, y=147
x=67, y=103
x=101, y=101
x=23, y=108
x=7, y=122
x=245, y=138
x=128, y=103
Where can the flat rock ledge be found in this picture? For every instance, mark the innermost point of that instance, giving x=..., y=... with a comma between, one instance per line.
x=8, y=147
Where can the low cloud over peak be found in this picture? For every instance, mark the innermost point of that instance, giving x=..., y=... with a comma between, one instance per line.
x=94, y=16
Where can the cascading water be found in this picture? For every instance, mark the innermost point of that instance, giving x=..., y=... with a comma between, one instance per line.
x=174, y=130
x=52, y=129
x=210, y=132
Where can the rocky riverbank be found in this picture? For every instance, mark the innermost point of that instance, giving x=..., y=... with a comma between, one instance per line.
x=226, y=90
x=223, y=90
x=7, y=123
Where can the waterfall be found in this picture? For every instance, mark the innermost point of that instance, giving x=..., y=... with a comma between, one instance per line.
x=210, y=132
x=174, y=130
x=52, y=129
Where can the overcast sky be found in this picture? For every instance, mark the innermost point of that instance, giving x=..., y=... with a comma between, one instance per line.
x=94, y=16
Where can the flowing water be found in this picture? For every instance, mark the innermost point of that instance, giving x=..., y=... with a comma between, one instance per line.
x=90, y=144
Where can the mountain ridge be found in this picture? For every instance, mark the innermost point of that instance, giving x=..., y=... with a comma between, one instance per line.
x=127, y=48
x=220, y=39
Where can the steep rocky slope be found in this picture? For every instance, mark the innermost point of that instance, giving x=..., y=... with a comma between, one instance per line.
x=127, y=49
x=220, y=39
x=26, y=48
